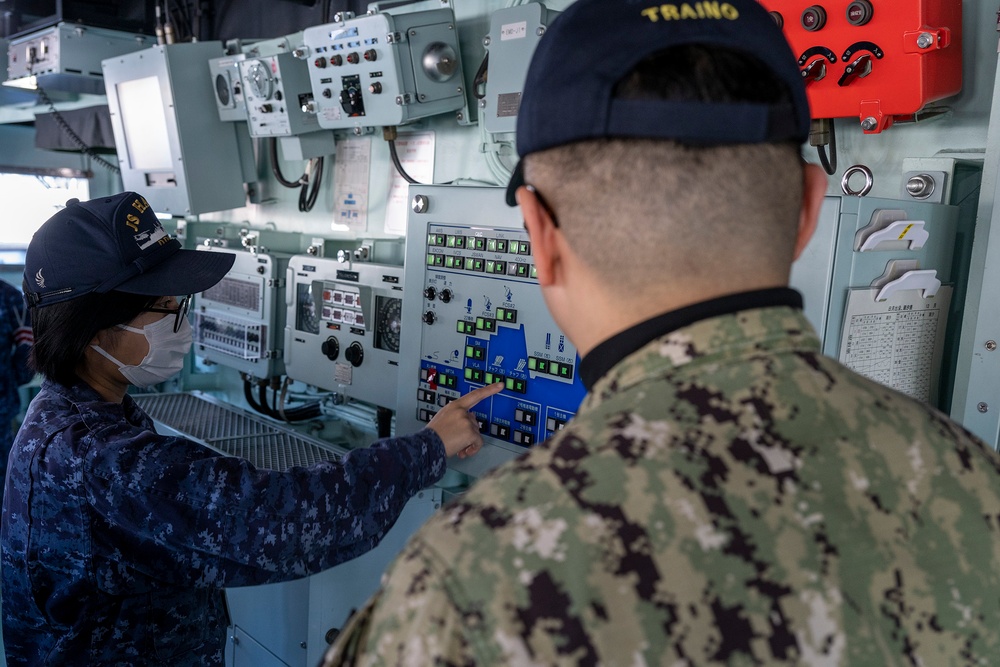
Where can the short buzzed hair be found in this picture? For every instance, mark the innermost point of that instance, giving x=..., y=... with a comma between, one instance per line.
x=696, y=209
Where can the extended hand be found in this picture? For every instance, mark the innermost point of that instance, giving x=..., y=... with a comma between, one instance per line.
x=457, y=427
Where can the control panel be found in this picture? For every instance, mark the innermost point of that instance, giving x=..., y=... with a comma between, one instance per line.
x=276, y=89
x=229, y=101
x=384, y=69
x=343, y=327
x=68, y=56
x=475, y=316
x=239, y=322
x=514, y=34
x=878, y=60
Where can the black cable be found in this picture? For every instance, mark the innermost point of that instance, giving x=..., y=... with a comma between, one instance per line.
x=398, y=164
x=248, y=395
x=276, y=169
x=482, y=76
x=74, y=137
x=829, y=162
x=308, y=199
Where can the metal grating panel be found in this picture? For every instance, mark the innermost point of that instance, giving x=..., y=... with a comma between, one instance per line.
x=233, y=432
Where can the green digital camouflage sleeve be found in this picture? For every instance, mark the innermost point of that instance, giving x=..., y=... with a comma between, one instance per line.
x=410, y=621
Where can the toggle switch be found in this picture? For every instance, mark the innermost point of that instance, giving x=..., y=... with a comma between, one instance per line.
x=859, y=69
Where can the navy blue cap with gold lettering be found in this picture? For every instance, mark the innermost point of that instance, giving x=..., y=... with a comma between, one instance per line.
x=588, y=49
x=113, y=243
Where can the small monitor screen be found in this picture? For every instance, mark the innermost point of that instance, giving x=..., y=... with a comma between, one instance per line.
x=145, y=124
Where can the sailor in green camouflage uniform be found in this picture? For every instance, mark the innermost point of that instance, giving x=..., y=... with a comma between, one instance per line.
x=725, y=495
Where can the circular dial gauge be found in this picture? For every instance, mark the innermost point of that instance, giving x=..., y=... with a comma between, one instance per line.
x=259, y=80
x=389, y=323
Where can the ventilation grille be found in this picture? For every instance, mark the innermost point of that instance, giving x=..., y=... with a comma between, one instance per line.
x=230, y=431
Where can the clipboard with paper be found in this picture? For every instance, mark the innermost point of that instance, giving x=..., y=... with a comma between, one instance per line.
x=894, y=330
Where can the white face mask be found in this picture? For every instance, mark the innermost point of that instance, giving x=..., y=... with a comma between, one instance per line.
x=165, y=358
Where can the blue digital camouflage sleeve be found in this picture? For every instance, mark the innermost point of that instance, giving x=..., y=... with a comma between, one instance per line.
x=193, y=518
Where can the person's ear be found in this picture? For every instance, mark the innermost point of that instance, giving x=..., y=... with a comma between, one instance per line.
x=542, y=229
x=813, y=193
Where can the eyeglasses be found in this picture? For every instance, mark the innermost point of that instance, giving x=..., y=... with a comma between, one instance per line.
x=545, y=204
x=180, y=312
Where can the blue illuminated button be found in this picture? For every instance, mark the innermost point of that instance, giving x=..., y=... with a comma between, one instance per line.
x=500, y=431
x=524, y=439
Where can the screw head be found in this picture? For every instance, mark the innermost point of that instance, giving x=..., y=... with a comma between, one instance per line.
x=983, y=407
x=869, y=123
x=991, y=345
x=486, y=41
x=925, y=40
x=420, y=204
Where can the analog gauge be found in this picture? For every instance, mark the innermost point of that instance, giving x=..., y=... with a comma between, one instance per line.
x=306, y=317
x=259, y=80
x=222, y=89
x=389, y=323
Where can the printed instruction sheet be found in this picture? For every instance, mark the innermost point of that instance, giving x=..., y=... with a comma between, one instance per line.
x=897, y=342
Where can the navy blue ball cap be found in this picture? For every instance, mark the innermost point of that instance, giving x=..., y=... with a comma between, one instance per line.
x=588, y=49
x=113, y=243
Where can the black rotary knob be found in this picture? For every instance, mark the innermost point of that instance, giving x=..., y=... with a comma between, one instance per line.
x=429, y=317
x=355, y=354
x=446, y=295
x=331, y=348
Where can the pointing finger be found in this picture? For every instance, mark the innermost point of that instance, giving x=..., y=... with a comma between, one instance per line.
x=468, y=401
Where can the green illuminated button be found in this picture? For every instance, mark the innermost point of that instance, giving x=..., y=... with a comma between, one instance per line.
x=466, y=328
x=475, y=352
x=501, y=245
x=523, y=248
x=486, y=324
x=566, y=371
x=468, y=373
x=501, y=268
x=532, y=364
x=430, y=260
x=490, y=266
x=501, y=313
x=478, y=243
x=469, y=263
x=509, y=315
x=447, y=381
x=509, y=384
x=543, y=366
x=520, y=386
x=522, y=271
x=534, y=271
x=449, y=261
x=456, y=241
x=491, y=245
x=477, y=264
x=494, y=377
x=435, y=239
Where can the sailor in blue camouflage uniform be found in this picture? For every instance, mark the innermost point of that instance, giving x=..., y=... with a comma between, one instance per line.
x=116, y=541
x=725, y=494
x=15, y=345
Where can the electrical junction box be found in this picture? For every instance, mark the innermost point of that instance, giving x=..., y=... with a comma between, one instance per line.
x=171, y=144
x=343, y=327
x=514, y=34
x=67, y=57
x=384, y=69
x=475, y=315
x=878, y=60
